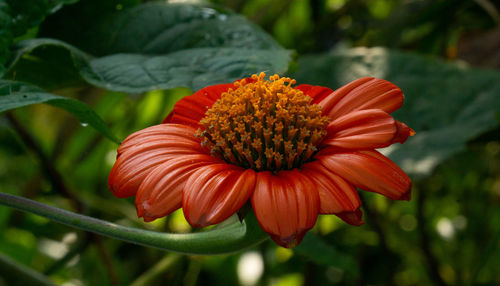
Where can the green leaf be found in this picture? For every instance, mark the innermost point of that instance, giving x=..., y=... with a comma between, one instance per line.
x=192, y=68
x=162, y=28
x=318, y=251
x=5, y=35
x=48, y=66
x=30, y=13
x=16, y=94
x=71, y=22
x=161, y=46
x=17, y=17
x=446, y=104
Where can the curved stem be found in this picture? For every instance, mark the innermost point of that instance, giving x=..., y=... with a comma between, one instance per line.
x=231, y=238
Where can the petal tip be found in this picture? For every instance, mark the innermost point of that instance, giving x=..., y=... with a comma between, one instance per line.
x=353, y=218
x=406, y=196
x=113, y=189
x=402, y=133
x=117, y=191
x=141, y=207
x=289, y=241
x=200, y=222
x=148, y=219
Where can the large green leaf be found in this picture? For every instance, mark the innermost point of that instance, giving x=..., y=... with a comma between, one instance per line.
x=30, y=13
x=160, y=28
x=71, y=23
x=160, y=46
x=193, y=68
x=446, y=104
x=5, y=35
x=16, y=94
x=49, y=64
x=135, y=73
x=17, y=17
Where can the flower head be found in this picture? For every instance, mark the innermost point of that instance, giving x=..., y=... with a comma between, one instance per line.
x=294, y=152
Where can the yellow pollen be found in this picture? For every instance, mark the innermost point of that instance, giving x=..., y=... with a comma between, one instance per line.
x=263, y=125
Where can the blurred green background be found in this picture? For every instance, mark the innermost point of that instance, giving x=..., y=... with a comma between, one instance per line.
x=444, y=54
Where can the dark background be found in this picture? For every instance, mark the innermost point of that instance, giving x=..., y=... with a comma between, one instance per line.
x=445, y=56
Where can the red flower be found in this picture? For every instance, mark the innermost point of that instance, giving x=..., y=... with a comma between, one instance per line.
x=294, y=152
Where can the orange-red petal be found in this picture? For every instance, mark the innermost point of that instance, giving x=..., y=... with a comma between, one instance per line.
x=215, y=192
x=353, y=218
x=314, y=91
x=160, y=193
x=285, y=205
x=402, y=133
x=368, y=170
x=147, y=149
x=365, y=129
x=158, y=135
x=191, y=109
x=335, y=194
x=363, y=93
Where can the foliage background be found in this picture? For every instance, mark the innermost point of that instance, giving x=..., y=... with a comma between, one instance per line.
x=129, y=62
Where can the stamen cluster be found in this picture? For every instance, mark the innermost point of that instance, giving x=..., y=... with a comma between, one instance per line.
x=263, y=125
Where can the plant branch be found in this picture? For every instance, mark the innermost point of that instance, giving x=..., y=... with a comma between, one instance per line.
x=15, y=273
x=488, y=251
x=157, y=270
x=192, y=272
x=375, y=223
x=232, y=238
x=50, y=171
x=106, y=259
x=432, y=262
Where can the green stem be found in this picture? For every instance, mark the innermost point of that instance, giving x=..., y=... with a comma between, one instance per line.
x=148, y=277
x=231, y=238
x=15, y=273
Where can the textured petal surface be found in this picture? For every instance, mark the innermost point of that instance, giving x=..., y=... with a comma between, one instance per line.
x=314, y=91
x=215, y=192
x=142, y=151
x=365, y=129
x=361, y=94
x=158, y=135
x=336, y=195
x=161, y=191
x=286, y=205
x=368, y=170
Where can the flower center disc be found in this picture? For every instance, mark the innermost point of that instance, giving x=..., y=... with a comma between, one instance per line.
x=263, y=125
